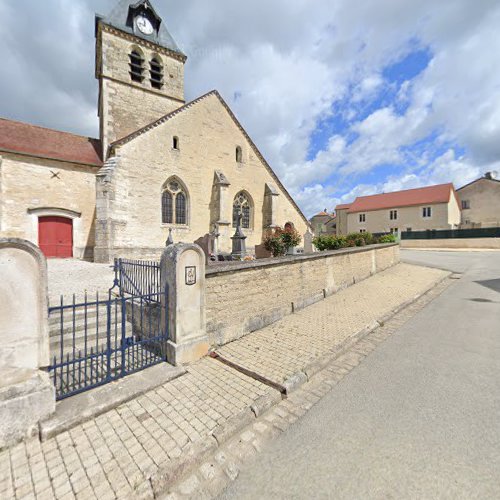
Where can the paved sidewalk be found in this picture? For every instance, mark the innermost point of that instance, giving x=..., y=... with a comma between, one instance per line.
x=116, y=454
x=288, y=346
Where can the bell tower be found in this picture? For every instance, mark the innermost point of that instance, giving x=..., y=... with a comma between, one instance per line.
x=139, y=67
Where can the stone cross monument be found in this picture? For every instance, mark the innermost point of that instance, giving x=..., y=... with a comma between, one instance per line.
x=239, y=245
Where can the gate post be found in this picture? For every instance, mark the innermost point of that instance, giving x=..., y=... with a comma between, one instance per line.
x=183, y=272
x=27, y=395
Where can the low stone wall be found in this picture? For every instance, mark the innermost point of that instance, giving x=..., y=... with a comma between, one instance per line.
x=464, y=243
x=243, y=297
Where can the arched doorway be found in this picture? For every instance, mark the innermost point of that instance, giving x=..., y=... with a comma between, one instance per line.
x=55, y=236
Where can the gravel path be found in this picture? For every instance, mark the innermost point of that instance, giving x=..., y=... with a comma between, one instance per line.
x=68, y=277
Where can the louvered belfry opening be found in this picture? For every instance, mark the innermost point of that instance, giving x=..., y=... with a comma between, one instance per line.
x=136, y=66
x=156, y=71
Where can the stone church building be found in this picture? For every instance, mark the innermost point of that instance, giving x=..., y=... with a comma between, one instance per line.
x=159, y=164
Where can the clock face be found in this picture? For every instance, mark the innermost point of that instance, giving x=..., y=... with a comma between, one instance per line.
x=144, y=25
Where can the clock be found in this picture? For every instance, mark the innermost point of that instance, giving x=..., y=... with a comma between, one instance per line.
x=144, y=25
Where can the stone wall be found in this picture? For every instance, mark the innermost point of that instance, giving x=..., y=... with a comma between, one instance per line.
x=244, y=297
x=29, y=188
x=129, y=212
x=125, y=105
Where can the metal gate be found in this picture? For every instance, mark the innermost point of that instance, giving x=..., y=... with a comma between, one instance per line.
x=98, y=341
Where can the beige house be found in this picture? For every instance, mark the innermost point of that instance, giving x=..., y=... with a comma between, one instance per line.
x=159, y=164
x=323, y=223
x=433, y=207
x=480, y=202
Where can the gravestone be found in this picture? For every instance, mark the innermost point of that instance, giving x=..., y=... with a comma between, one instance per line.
x=27, y=395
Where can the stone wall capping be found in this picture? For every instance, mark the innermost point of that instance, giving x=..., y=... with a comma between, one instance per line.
x=216, y=269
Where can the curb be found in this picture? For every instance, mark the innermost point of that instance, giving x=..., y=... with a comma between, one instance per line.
x=198, y=452
x=300, y=377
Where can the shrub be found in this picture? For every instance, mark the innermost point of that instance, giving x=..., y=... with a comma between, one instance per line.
x=387, y=238
x=355, y=240
x=278, y=241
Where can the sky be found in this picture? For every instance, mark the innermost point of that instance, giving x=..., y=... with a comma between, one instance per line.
x=343, y=97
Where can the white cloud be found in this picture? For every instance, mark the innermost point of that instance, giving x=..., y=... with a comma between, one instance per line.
x=291, y=65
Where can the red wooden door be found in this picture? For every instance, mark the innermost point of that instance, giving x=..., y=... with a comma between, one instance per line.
x=55, y=236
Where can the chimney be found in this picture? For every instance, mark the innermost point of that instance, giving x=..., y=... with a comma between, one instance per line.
x=488, y=175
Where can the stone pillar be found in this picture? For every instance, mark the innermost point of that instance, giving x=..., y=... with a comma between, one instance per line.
x=223, y=208
x=271, y=206
x=183, y=271
x=27, y=395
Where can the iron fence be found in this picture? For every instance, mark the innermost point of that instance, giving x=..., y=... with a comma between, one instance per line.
x=98, y=341
x=137, y=277
x=486, y=232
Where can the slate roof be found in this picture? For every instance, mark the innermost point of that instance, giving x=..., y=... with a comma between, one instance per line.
x=23, y=138
x=410, y=197
x=118, y=18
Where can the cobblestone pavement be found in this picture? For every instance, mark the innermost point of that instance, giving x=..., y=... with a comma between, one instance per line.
x=286, y=347
x=70, y=276
x=218, y=471
x=114, y=455
x=117, y=454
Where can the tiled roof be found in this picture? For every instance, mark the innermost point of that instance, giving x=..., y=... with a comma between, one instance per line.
x=343, y=207
x=23, y=138
x=409, y=197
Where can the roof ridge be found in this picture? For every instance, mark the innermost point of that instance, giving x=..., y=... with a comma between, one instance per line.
x=256, y=150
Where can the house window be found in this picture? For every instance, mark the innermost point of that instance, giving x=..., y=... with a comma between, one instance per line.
x=427, y=212
x=408, y=229
x=362, y=217
x=395, y=231
x=136, y=66
x=175, y=143
x=174, y=203
x=465, y=204
x=239, y=155
x=362, y=230
x=156, y=72
x=393, y=215
x=242, y=202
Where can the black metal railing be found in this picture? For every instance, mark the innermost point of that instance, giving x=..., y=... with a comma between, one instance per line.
x=137, y=277
x=486, y=232
x=98, y=341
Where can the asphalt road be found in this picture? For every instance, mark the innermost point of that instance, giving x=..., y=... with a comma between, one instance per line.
x=419, y=418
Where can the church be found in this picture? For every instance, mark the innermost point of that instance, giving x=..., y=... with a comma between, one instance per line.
x=160, y=164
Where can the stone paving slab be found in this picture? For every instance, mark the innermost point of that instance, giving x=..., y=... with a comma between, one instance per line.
x=285, y=348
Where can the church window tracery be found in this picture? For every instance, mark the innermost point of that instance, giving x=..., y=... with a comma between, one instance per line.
x=242, y=202
x=174, y=203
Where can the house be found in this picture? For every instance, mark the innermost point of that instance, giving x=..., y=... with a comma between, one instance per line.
x=432, y=207
x=480, y=202
x=160, y=163
x=323, y=223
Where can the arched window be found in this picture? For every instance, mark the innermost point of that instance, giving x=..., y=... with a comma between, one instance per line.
x=174, y=203
x=242, y=202
x=136, y=66
x=156, y=72
x=239, y=155
x=289, y=225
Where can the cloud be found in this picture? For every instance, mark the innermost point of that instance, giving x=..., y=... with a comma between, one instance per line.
x=306, y=80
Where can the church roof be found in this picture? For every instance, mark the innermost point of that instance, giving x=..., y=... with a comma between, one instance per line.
x=120, y=18
x=184, y=108
x=440, y=193
x=23, y=138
